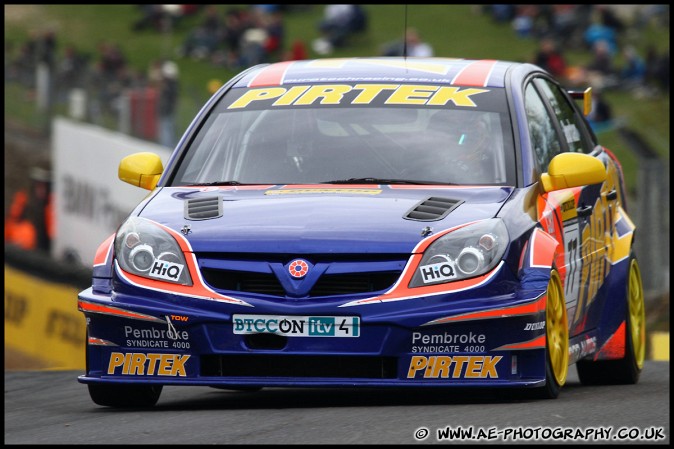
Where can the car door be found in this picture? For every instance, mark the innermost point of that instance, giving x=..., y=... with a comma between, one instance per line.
x=581, y=217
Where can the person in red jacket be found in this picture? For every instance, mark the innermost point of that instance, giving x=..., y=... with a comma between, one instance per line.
x=550, y=58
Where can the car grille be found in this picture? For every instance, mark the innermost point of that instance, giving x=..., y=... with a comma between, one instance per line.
x=327, y=285
x=299, y=366
x=342, y=277
x=243, y=281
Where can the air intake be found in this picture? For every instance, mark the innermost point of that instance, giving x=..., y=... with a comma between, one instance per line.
x=203, y=208
x=432, y=209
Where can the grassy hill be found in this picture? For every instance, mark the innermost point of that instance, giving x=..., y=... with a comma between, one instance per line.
x=453, y=30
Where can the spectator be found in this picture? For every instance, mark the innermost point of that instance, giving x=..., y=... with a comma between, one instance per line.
x=297, y=52
x=633, y=72
x=162, y=17
x=600, y=32
x=212, y=22
x=657, y=69
x=29, y=223
x=275, y=35
x=19, y=230
x=152, y=16
x=167, y=103
x=200, y=44
x=338, y=24
x=70, y=71
x=502, y=13
x=27, y=59
x=413, y=46
x=601, y=116
x=523, y=23
x=109, y=77
x=234, y=28
x=10, y=68
x=203, y=41
x=550, y=58
x=111, y=60
x=564, y=20
x=46, y=49
x=252, y=46
x=600, y=70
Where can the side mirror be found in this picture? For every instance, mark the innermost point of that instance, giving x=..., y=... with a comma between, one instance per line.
x=141, y=170
x=573, y=170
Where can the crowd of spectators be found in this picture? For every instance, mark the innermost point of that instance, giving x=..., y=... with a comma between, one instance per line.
x=608, y=37
x=413, y=45
x=339, y=24
x=601, y=31
x=102, y=79
x=240, y=36
x=243, y=36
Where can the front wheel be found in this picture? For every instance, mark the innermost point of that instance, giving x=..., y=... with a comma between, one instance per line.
x=557, y=340
x=627, y=369
x=125, y=396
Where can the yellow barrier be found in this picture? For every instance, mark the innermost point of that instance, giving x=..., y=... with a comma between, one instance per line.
x=42, y=321
x=660, y=346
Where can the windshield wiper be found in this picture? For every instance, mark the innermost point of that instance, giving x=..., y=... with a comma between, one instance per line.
x=383, y=181
x=219, y=183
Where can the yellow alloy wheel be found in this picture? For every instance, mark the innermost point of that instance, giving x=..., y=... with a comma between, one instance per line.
x=557, y=329
x=637, y=314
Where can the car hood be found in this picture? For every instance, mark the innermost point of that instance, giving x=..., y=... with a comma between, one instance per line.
x=317, y=219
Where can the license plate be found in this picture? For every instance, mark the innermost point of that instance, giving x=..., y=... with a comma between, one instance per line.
x=297, y=326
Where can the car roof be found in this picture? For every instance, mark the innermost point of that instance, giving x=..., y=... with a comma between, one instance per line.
x=453, y=71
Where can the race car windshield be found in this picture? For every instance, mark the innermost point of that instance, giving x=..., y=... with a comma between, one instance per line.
x=254, y=137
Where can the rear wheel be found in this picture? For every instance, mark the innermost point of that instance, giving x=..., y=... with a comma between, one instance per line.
x=627, y=369
x=557, y=340
x=125, y=395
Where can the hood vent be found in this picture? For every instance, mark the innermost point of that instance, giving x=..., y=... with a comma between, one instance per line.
x=432, y=209
x=203, y=208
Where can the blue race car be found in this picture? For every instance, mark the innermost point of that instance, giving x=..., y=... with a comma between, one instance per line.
x=374, y=222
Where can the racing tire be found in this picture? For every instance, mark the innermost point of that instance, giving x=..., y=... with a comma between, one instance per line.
x=628, y=369
x=125, y=396
x=557, y=340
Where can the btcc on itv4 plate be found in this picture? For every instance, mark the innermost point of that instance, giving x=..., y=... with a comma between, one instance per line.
x=374, y=222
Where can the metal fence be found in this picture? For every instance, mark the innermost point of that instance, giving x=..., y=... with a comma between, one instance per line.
x=650, y=212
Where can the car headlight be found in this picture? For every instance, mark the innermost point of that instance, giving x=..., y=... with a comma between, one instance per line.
x=467, y=252
x=144, y=249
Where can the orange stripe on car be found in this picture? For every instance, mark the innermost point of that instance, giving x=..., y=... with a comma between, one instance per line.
x=535, y=306
x=536, y=343
x=85, y=306
x=103, y=251
x=475, y=74
x=614, y=347
x=542, y=249
x=271, y=76
x=199, y=289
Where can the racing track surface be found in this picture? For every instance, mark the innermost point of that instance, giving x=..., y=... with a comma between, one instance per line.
x=51, y=407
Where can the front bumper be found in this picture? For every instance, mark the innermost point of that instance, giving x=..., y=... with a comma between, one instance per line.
x=435, y=341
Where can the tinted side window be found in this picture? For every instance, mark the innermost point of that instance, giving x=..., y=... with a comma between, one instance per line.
x=544, y=139
x=570, y=121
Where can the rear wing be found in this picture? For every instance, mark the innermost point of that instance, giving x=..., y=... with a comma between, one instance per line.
x=586, y=96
